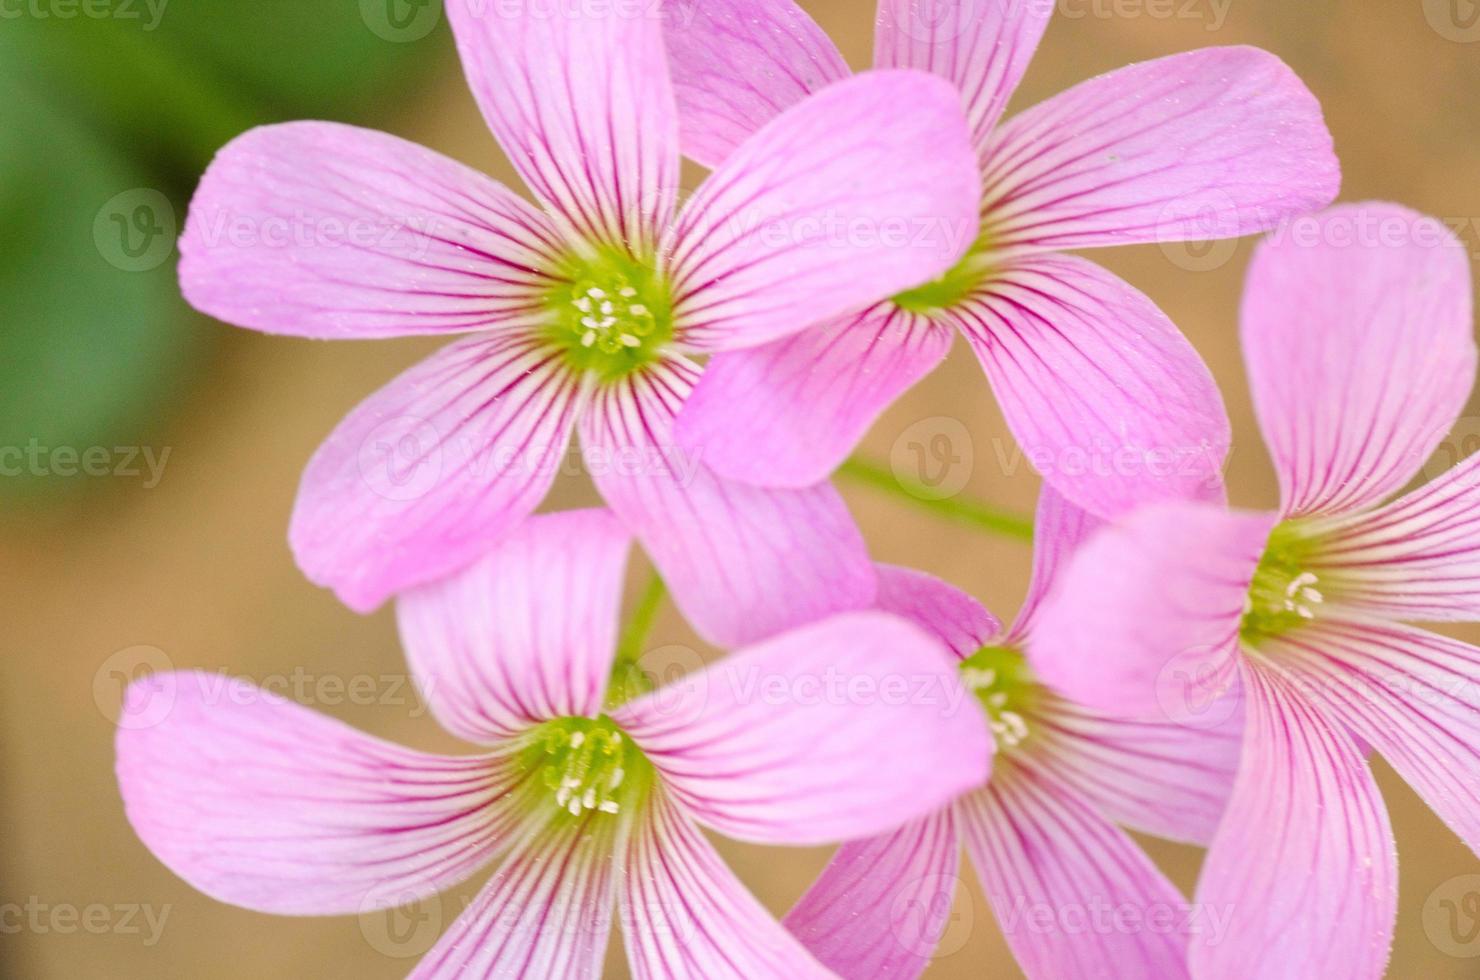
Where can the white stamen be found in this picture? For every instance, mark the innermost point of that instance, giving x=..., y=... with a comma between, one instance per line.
x=608, y=806
x=630, y=341
x=577, y=739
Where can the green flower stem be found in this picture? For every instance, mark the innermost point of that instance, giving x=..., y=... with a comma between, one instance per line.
x=629, y=648
x=979, y=515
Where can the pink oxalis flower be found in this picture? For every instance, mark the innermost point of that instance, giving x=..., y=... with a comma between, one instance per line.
x=1360, y=352
x=581, y=315
x=589, y=802
x=1042, y=833
x=1109, y=401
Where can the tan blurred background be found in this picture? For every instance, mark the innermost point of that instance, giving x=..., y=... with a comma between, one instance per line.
x=197, y=566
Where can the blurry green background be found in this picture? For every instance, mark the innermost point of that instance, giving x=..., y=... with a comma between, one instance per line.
x=113, y=108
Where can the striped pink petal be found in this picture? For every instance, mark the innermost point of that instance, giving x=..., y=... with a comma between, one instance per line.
x=863, y=190
x=1416, y=558
x=881, y=904
x=684, y=914
x=983, y=49
x=1165, y=778
x=581, y=102
x=546, y=912
x=743, y=562
x=1059, y=528
x=738, y=64
x=1147, y=606
x=323, y=230
x=264, y=804
x=426, y=473
x=1360, y=350
x=817, y=735
x=787, y=413
x=1304, y=860
x=961, y=623
x=1216, y=143
x=1406, y=692
x=524, y=635
x=1109, y=401
x=1073, y=895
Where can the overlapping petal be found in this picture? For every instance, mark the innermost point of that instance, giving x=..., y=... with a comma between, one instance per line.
x=580, y=99
x=267, y=805
x=743, y=562
x=323, y=230
x=684, y=914
x=865, y=189
x=1215, y=143
x=546, y=912
x=1109, y=401
x=425, y=474
x=1416, y=558
x=1059, y=528
x=1360, y=350
x=1409, y=694
x=527, y=633
x=789, y=412
x=983, y=49
x=817, y=735
x=939, y=608
x=881, y=904
x=738, y=64
x=1073, y=894
x=1140, y=607
x=1304, y=860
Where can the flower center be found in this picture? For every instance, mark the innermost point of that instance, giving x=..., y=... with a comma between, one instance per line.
x=1002, y=682
x=612, y=316
x=1285, y=592
x=959, y=282
x=587, y=764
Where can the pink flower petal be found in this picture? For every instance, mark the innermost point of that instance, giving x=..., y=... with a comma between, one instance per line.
x=1164, y=778
x=582, y=104
x=818, y=734
x=1410, y=695
x=866, y=189
x=1109, y=401
x=789, y=412
x=1304, y=861
x=738, y=64
x=1360, y=351
x=426, y=473
x=742, y=562
x=1059, y=528
x=264, y=804
x=1216, y=143
x=981, y=48
x=546, y=912
x=684, y=914
x=952, y=616
x=881, y=904
x=1073, y=894
x=525, y=635
x=322, y=230
x=1140, y=602
x=1416, y=558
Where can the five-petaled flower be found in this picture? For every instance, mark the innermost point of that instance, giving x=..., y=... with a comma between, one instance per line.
x=1042, y=830
x=589, y=801
x=583, y=314
x=1109, y=401
x=1360, y=355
